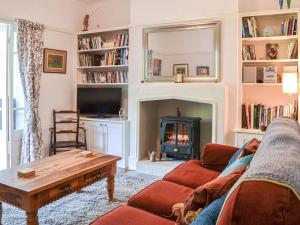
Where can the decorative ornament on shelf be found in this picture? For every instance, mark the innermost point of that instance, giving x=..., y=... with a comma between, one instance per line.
x=281, y=4
x=86, y=23
x=289, y=3
x=268, y=31
x=272, y=51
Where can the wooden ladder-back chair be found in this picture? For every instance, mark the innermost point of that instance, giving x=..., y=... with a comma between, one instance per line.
x=76, y=130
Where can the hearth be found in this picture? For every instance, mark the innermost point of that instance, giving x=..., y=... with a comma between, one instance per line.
x=180, y=137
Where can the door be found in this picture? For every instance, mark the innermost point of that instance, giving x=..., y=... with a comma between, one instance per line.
x=97, y=137
x=11, y=98
x=115, y=139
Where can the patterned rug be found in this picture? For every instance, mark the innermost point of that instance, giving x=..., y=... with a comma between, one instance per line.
x=81, y=208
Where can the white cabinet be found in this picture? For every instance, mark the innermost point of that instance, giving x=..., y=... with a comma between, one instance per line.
x=109, y=137
x=242, y=136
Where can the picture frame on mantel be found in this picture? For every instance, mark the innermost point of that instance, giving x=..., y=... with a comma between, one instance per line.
x=55, y=61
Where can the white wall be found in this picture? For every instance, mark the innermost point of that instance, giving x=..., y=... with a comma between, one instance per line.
x=112, y=13
x=156, y=12
x=261, y=5
x=57, y=90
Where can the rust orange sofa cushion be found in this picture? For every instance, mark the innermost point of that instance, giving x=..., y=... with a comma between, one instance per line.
x=216, y=156
x=159, y=198
x=260, y=202
x=125, y=215
x=191, y=174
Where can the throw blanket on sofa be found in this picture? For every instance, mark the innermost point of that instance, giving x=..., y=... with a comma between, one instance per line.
x=277, y=159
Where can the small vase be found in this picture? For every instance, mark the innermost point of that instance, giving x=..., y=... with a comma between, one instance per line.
x=281, y=4
x=289, y=3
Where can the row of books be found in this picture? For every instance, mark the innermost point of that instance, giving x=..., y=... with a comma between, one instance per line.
x=105, y=77
x=293, y=50
x=258, y=116
x=289, y=27
x=97, y=42
x=249, y=27
x=90, y=43
x=116, y=57
x=249, y=52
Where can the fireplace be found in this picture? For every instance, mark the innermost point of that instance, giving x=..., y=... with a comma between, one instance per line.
x=180, y=137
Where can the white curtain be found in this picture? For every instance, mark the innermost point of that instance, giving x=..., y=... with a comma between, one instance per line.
x=30, y=51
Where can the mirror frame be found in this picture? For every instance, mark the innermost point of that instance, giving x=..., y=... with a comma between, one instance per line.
x=179, y=27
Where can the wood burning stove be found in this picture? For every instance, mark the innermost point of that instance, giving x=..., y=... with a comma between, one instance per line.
x=180, y=137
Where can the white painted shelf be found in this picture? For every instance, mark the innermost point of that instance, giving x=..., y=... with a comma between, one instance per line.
x=103, y=67
x=101, y=84
x=101, y=49
x=249, y=131
x=262, y=84
x=274, y=38
x=271, y=61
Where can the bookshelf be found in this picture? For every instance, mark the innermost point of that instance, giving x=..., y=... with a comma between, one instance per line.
x=257, y=90
x=102, y=58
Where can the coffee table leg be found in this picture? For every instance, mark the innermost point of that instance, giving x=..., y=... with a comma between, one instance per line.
x=111, y=187
x=32, y=218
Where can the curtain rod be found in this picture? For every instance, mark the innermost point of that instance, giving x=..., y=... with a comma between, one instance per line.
x=59, y=30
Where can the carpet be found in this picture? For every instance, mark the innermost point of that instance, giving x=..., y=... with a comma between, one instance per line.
x=81, y=208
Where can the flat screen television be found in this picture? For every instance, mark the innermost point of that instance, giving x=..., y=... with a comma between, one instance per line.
x=99, y=101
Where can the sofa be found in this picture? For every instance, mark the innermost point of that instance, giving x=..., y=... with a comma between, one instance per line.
x=251, y=203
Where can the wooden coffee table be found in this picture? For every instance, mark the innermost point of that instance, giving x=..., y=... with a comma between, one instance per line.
x=55, y=177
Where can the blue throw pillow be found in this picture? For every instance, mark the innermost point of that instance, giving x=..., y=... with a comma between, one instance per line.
x=245, y=161
x=211, y=213
x=236, y=154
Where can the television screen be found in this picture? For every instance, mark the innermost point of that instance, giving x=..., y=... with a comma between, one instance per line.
x=99, y=100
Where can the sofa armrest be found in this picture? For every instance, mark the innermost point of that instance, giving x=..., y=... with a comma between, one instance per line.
x=216, y=156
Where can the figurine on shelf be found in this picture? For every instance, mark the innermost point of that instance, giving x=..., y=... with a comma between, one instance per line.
x=178, y=113
x=272, y=51
x=86, y=23
x=281, y=4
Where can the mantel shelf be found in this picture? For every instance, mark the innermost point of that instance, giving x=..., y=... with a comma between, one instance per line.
x=273, y=38
x=101, y=49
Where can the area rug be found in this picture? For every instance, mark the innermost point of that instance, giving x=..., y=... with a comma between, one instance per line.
x=81, y=208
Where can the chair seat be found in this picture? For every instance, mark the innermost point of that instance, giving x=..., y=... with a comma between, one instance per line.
x=191, y=174
x=159, y=198
x=68, y=144
x=125, y=215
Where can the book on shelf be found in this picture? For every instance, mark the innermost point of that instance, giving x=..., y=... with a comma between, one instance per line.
x=259, y=116
x=121, y=40
x=105, y=77
x=293, y=50
x=289, y=27
x=113, y=58
x=249, y=52
x=249, y=27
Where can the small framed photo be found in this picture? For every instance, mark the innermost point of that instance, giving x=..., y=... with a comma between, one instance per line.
x=202, y=71
x=181, y=69
x=55, y=61
x=156, y=67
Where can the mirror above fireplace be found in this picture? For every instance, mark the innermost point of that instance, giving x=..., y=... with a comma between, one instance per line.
x=191, y=50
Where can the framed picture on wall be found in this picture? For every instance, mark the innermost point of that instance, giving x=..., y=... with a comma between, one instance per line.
x=156, y=67
x=181, y=69
x=55, y=61
x=202, y=71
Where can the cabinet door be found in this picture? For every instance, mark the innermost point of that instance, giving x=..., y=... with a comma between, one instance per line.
x=114, y=139
x=97, y=137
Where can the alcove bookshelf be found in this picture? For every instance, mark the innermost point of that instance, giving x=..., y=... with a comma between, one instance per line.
x=260, y=97
x=102, y=57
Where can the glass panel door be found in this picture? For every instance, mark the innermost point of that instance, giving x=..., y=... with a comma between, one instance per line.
x=3, y=95
x=11, y=98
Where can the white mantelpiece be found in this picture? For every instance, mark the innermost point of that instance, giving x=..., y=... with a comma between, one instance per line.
x=214, y=94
